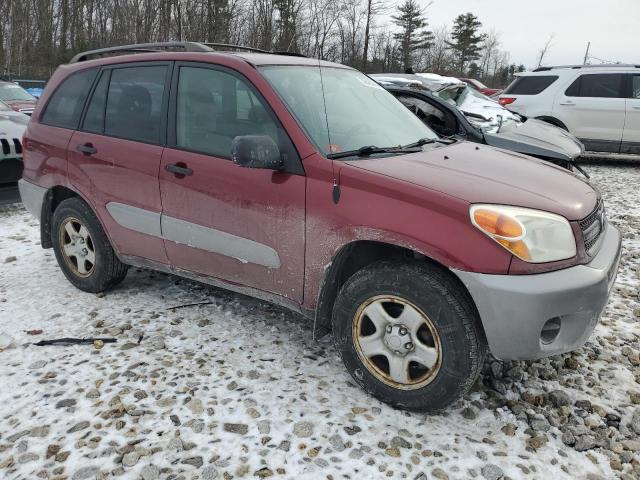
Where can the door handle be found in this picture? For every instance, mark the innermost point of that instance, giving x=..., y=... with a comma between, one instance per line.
x=179, y=169
x=87, y=149
x=637, y=107
x=568, y=103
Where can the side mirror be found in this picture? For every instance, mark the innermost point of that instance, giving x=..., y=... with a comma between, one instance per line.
x=256, y=151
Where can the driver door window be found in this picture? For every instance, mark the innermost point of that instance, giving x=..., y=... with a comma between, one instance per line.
x=213, y=107
x=439, y=121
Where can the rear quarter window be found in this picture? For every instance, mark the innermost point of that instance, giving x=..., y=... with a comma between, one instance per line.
x=532, y=85
x=66, y=104
x=602, y=85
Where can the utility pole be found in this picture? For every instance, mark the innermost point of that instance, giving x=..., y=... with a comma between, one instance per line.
x=586, y=55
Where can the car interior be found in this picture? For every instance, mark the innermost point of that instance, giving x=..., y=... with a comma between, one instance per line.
x=214, y=108
x=441, y=122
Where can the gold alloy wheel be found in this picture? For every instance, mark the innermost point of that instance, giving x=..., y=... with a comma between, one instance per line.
x=397, y=342
x=77, y=247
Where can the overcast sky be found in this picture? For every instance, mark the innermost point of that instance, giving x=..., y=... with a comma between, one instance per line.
x=612, y=26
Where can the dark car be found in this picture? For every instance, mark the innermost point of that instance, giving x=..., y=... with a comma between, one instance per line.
x=306, y=183
x=17, y=98
x=531, y=137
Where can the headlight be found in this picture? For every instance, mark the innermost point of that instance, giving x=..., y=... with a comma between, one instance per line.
x=532, y=235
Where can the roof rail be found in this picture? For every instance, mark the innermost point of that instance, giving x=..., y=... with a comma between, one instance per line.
x=577, y=67
x=160, y=46
x=142, y=47
x=252, y=49
x=234, y=47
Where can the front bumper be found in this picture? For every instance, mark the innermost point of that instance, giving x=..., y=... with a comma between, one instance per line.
x=514, y=309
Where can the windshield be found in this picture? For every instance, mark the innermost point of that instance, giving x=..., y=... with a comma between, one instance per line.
x=12, y=92
x=358, y=112
x=455, y=95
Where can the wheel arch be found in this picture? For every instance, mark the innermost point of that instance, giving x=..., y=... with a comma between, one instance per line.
x=54, y=197
x=356, y=255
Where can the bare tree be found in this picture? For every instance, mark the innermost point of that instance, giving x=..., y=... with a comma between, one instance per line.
x=37, y=35
x=545, y=50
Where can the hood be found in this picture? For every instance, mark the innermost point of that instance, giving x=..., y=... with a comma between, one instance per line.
x=537, y=138
x=482, y=174
x=18, y=105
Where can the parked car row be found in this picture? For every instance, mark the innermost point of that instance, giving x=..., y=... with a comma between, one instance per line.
x=306, y=183
x=451, y=108
x=599, y=104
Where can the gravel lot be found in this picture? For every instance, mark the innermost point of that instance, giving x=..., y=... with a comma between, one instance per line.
x=238, y=389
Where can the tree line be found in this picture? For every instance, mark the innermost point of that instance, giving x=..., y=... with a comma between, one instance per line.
x=38, y=35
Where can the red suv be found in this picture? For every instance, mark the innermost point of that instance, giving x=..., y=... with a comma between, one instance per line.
x=305, y=183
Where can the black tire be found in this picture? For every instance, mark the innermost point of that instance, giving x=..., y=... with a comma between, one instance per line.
x=107, y=270
x=450, y=310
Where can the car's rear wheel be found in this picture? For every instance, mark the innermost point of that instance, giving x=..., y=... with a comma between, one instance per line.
x=82, y=248
x=409, y=334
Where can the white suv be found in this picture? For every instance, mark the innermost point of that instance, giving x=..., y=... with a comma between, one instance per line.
x=598, y=104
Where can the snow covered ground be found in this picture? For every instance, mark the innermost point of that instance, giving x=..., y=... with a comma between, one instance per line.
x=238, y=389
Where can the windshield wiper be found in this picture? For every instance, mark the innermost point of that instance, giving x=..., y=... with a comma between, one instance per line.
x=372, y=149
x=426, y=141
x=421, y=142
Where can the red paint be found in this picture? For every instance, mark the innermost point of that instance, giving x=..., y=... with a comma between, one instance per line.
x=476, y=85
x=418, y=201
x=120, y=171
x=261, y=205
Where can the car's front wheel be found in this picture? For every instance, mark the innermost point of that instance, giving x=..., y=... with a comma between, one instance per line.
x=82, y=249
x=409, y=334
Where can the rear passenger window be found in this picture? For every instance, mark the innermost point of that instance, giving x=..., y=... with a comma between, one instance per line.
x=134, y=103
x=214, y=107
x=66, y=103
x=94, y=118
x=531, y=85
x=605, y=85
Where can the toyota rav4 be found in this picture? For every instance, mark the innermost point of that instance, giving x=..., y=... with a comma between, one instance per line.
x=305, y=183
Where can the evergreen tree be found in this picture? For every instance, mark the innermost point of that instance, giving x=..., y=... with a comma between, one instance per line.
x=413, y=34
x=474, y=70
x=286, y=22
x=466, y=39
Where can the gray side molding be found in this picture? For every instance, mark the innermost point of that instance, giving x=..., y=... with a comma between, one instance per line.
x=32, y=197
x=220, y=242
x=193, y=235
x=134, y=218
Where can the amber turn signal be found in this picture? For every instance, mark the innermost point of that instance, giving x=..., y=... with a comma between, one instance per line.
x=498, y=224
x=506, y=230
